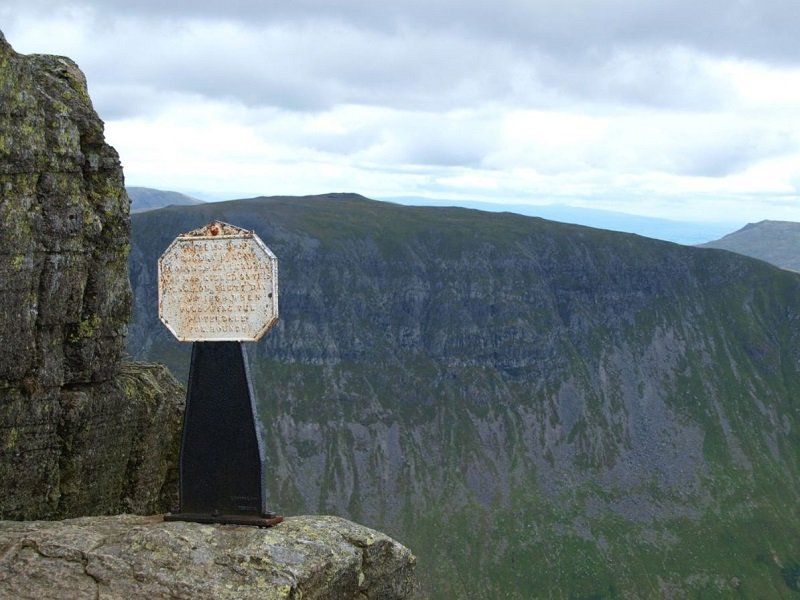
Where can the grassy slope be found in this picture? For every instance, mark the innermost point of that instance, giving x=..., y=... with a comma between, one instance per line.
x=506, y=309
x=777, y=242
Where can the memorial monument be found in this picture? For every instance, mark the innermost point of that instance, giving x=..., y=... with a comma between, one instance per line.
x=218, y=288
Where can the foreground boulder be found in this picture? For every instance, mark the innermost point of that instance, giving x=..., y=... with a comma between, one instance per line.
x=81, y=432
x=143, y=557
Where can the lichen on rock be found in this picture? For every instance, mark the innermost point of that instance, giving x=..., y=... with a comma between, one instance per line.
x=74, y=418
x=65, y=296
x=126, y=556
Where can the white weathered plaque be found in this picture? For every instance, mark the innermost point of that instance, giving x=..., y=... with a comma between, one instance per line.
x=218, y=283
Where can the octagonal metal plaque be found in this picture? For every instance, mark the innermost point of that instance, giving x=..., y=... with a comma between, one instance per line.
x=218, y=283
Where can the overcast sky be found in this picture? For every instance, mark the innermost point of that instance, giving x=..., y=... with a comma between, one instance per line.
x=680, y=109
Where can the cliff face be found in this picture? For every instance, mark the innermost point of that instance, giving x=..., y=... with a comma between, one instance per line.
x=314, y=558
x=536, y=409
x=73, y=419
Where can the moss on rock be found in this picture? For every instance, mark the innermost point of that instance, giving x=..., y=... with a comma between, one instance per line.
x=80, y=431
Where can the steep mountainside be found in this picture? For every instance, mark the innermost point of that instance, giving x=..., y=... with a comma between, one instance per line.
x=143, y=198
x=535, y=409
x=80, y=431
x=777, y=242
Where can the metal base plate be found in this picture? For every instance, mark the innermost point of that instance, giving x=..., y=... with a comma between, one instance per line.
x=252, y=520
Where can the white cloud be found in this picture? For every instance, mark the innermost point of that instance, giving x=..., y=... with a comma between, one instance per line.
x=672, y=109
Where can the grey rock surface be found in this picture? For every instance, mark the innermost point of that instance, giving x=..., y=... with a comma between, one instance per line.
x=65, y=294
x=143, y=557
x=99, y=448
x=77, y=425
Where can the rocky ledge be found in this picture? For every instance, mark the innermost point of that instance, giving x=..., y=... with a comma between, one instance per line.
x=130, y=556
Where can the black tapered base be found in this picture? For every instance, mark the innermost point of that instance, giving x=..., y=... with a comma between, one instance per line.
x=222, y=454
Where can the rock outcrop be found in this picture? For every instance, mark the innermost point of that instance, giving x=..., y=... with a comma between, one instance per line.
x=74, y=420
x=143, y=557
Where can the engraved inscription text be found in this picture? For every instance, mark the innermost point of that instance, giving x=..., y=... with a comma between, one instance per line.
x=221, y=288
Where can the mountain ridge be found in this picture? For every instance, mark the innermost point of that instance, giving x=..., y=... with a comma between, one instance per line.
x=534, y=408
x=776, y=242
x=145, y=198
x=671, y=230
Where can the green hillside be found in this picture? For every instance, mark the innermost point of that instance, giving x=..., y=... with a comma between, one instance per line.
x=535, y=409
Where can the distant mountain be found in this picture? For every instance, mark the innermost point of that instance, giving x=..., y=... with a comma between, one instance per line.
x=538, y=410
x=682, y=232
x=144, y=198
x=777, y=242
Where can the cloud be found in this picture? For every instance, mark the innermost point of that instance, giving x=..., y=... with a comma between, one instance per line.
x=643, y=106
x=306, y=56
x=307, y=67
x=661, y=77
x=764, y=30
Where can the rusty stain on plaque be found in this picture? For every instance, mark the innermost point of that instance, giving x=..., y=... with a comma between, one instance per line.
x=218, y=283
